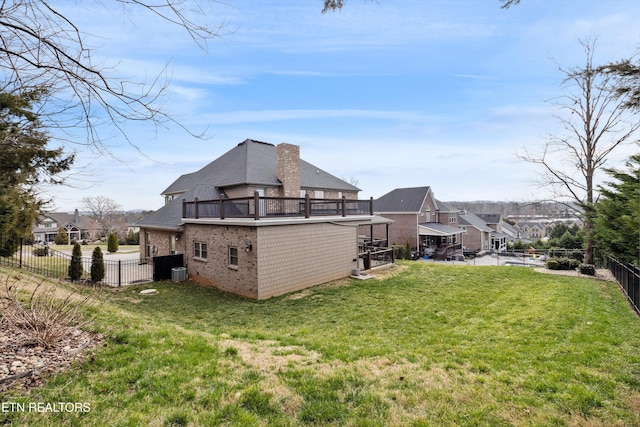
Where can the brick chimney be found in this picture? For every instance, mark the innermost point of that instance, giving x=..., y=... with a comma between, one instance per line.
x=289, y=169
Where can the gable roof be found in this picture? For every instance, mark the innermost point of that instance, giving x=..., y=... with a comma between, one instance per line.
x=402, y=200
x=249, y=163
x=491, y=218
x=254, y=162
x=62, y=219
x=473, y=220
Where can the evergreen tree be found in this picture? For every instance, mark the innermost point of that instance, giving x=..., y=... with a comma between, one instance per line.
x=112, y=243
x=407, y=251
x=25, y=162
x=75, y=267
x=97, y=265
x=62, y=238
x=618, y=214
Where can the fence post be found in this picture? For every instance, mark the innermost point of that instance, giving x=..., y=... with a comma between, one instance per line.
x=21, y=252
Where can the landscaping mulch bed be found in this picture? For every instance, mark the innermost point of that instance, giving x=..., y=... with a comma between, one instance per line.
x=23, y=366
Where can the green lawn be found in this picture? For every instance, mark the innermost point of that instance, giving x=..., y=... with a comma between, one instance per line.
x=433, y=345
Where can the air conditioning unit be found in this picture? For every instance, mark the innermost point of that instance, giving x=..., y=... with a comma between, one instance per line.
x=178, y=274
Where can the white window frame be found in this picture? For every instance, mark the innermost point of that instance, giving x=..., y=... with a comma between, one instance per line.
x=200, y=250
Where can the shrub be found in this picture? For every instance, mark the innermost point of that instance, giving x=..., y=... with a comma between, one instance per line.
x=398, y=252
x=61, y=238
x=97, y=265
x=589, y=269
x=41, y=250
x=407, y=251
x=47, y=315
x=75, y=267
x=553, y=264
x=562, y=263
x=112, y=243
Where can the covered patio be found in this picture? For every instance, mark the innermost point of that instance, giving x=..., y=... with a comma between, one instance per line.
x=440, y=241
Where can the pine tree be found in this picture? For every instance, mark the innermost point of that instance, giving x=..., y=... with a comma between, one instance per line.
x=618, y=214
x=407, y=251
x=112, y=243
x=97, y=265
x=75, y=267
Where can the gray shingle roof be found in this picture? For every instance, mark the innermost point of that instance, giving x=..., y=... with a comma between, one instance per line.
x=474, y=220
x=254, y=162
x=250, y=162
x=408, y=200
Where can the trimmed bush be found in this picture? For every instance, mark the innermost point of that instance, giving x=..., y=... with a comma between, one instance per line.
x=407, y=251
x=589, y=269
x=61, y=238
x=562, y=263
x=75, y=267
x=553, y=264
x=97, y=265
x=112, y=243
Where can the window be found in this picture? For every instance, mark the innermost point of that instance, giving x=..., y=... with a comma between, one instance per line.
x=428, y=214
x=233, y=256
x=452, y=218
x=199, y=250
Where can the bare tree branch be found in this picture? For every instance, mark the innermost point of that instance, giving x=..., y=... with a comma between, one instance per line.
x=593, y=116
x=41, y=47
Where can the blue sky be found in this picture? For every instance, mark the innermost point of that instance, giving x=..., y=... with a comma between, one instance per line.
x=389, y=93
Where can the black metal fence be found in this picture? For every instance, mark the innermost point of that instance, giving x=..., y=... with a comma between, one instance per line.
x=628, y=277
x=47, y=261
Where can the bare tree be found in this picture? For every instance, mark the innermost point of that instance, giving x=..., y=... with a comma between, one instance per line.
x=41, y=47
x=104, y=211
x=593, y=117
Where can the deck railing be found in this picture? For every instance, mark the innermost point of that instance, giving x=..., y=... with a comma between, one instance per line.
x=258, y=207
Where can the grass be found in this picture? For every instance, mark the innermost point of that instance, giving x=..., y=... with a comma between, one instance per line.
x=122, y=249
x=431, y=345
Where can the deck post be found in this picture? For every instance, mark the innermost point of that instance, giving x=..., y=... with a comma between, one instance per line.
x=221, y=207
x=195, y=208
x=307, y=205
x=256, y=205
x=344, y=206
x=371, y=206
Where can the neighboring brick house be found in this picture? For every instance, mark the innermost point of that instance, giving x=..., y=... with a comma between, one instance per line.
x=259, y=222
x=78, y=227
x=428, y=225
x=477, y=234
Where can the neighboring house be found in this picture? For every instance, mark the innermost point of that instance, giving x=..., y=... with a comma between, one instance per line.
x=77, y=227
x=499, y=238
x=259, y=222
x=477, y=234
x=532, y=230
x=428, y=225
